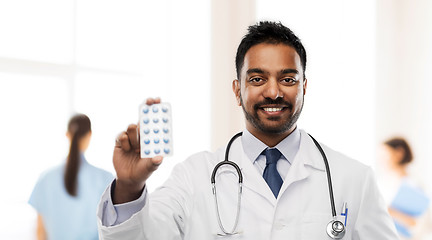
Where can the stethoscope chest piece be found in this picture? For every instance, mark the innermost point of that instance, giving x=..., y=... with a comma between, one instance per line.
x=335, y=229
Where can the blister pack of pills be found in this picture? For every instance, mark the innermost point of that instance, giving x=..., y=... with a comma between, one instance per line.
x=155, y=130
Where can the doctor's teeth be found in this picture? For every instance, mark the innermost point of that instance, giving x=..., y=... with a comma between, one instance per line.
x=272, y=109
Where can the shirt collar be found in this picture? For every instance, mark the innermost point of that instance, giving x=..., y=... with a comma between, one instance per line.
x=253, y=147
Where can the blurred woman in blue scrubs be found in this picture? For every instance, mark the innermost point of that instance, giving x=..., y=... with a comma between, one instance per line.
x=66, y=196
x=404, y=191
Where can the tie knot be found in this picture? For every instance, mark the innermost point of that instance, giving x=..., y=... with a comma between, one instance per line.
x=272, y=155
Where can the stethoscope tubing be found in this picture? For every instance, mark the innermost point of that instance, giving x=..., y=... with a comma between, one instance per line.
x=329, y=181
x=213, y=182
x=226, y=161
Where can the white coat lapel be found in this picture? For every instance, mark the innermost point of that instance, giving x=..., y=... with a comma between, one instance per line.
x=308, y=155
x=251, y=177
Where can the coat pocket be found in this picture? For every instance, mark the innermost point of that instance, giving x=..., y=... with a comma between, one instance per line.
x=314, y=226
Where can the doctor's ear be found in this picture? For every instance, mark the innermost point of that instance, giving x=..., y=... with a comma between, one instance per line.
x=304, y=86
x=236, y=90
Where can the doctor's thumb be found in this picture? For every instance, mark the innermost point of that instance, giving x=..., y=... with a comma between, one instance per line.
x=154, y=163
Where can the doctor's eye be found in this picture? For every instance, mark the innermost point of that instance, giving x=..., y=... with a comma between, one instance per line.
x=289, y=81
x=256, y=80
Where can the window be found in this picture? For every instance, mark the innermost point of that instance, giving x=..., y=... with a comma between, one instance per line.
x=101, y=58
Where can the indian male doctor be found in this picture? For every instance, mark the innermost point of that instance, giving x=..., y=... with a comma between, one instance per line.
x=286, y=198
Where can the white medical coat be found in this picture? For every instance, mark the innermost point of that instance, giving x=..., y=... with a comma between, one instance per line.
x=184, y=208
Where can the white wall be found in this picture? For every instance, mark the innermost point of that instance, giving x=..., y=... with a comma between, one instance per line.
x=404, y=60
x=230, y=20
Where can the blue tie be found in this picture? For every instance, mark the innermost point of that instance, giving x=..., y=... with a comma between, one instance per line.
x=271, y=175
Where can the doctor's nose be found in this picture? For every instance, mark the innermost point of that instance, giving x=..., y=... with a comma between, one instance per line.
x=272, y=90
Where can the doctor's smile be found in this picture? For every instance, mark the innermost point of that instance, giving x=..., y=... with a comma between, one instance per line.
x=273, y=113
x=273, y=108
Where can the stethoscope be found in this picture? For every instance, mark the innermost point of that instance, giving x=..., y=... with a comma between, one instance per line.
x=335, y=228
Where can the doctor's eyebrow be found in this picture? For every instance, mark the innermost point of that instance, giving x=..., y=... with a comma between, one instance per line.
x=282, y=72
x=289, y=70
x=255, y=70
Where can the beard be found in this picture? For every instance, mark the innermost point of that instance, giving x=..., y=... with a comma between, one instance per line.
x=259, y=124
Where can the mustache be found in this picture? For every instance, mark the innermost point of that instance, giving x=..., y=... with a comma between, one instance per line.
x=268, y=101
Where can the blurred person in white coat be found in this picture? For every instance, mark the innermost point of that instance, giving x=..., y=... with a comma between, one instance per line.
x=286, y=198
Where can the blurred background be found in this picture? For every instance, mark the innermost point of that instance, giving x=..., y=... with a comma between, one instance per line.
x=368, y=75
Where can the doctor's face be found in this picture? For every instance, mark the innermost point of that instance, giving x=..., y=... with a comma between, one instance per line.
x=271, y=89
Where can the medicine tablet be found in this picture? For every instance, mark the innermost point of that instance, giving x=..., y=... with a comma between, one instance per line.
x=155, y=130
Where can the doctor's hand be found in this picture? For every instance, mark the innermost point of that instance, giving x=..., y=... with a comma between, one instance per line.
x=132, y=170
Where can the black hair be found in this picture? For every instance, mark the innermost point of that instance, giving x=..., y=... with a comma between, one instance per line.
x=401, y=144
x=268, y=32
x=79, y=125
